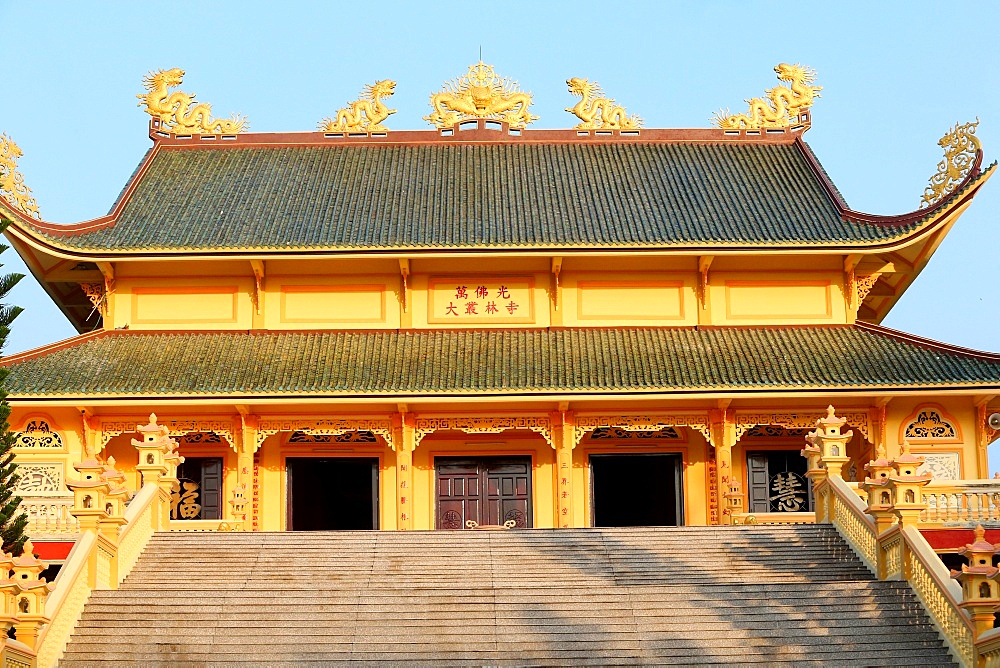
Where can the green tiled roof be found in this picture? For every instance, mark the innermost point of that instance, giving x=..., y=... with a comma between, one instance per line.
x=394, y=363
x=454, y=195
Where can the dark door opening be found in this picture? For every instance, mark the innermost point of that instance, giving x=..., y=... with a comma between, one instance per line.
x=777, y=482
x=636, y=490
x=335, y=494
x=198, y=495
x=487, y=490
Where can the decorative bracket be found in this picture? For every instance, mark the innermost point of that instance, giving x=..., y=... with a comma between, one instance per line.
x=258, y=277
x=404, y=271
x=224, y=427
x=805, y=419
x=704, y=264
x=324, y=427
x=556, y=269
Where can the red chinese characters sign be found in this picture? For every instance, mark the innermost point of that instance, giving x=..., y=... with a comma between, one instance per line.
x=471, y=300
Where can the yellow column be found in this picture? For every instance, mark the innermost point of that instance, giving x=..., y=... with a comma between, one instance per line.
x=245, y=447
x=724, y=438
x=404, y=438
x=564, y=438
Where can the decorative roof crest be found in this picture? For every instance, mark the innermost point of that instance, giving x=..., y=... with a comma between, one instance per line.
x=12, y=186
x=961, y=146
x=781, y=106
x=596, y=111
x=177, y=111
x=481, y=93
x=364, y=114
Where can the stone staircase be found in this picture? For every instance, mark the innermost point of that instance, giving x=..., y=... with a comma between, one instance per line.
x=760, y=595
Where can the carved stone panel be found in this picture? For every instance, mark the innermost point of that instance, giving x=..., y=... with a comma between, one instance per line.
x=38, y=435
x=943, y=465
x=38, y=479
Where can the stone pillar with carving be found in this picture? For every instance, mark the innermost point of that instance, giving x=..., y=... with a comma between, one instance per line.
x=32, y=591
x=404, y=436
x=980, y=589
x=907, y=487
x=832, y=443
x=878, y=491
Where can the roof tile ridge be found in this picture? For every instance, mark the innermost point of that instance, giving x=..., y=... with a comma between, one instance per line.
x=48, y=349
x=925, y=342
x=836, y=197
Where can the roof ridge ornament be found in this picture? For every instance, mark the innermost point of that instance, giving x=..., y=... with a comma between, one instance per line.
x=364, y=114
x=961, y=147
x=782, y=105
x=12, y=186
x=597, y=111
x=480, y=93
x=177, y=112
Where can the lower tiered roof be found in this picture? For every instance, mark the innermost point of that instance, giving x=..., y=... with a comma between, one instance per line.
x=524, y=362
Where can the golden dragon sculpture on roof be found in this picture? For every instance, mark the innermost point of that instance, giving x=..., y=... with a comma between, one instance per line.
x=481, y=93
x=961, y=146
x=12, y=186
x=597, y=111
x=782, y=104
x=177, y=111
x=364, y=114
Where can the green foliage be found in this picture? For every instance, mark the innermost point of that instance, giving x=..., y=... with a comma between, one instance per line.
x=13, y=520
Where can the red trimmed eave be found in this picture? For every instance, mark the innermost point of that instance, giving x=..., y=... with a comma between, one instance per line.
x=929, y=344
x=71, y=342
x=899, y=220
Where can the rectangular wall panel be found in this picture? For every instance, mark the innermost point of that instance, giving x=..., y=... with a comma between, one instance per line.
x=630, y=300
x=318, y=304
x=195, y=304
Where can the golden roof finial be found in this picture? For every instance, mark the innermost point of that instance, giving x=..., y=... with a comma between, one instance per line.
x=961, y=146
x=781, y=106
x=177, y=111
x=596, y=111
x=481, y=93
x=364, y=114
x=12, y=186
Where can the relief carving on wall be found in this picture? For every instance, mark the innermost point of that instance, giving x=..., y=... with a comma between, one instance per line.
x=942, y=465
x=930, y=422
x=40, y=480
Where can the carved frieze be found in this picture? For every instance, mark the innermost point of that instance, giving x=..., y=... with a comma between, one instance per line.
x=642, y=423
x=799, y=420
x=225, y=428
x=325, y=427
x=483, y=425
x=931, y=423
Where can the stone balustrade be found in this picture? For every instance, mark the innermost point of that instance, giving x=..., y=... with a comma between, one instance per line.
x=50, y=516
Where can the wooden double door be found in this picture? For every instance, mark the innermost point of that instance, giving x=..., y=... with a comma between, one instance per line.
x=486, y=490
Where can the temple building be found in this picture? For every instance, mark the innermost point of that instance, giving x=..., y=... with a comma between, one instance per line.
x=482, y=323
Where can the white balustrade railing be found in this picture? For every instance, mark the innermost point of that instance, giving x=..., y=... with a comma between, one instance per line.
x=962, y=503
x=49, y=516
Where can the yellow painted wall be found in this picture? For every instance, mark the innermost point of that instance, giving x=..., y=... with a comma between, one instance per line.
x=340, y=302
x=776, y=298
x=183, y=303
x=622, y=298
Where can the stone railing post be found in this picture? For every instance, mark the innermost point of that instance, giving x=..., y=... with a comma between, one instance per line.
x=89, y=495
x=8, y=594
x=31, y=594
x=980, y=589
x=238, y=504
x=907, y=487
x=158, y=462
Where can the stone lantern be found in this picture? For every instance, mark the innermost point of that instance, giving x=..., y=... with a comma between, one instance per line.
x=734, y=498
x=115, y=500
x=832, y=443
x=31, y=594
x=813, y=453
x=907, y=487
x=155, y=444
x=238, y=503
x=980, y=594
x=8, y=593
x=878, y=491
x=89, y=494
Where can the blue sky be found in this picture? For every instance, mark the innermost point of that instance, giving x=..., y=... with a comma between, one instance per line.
x=896, y=76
